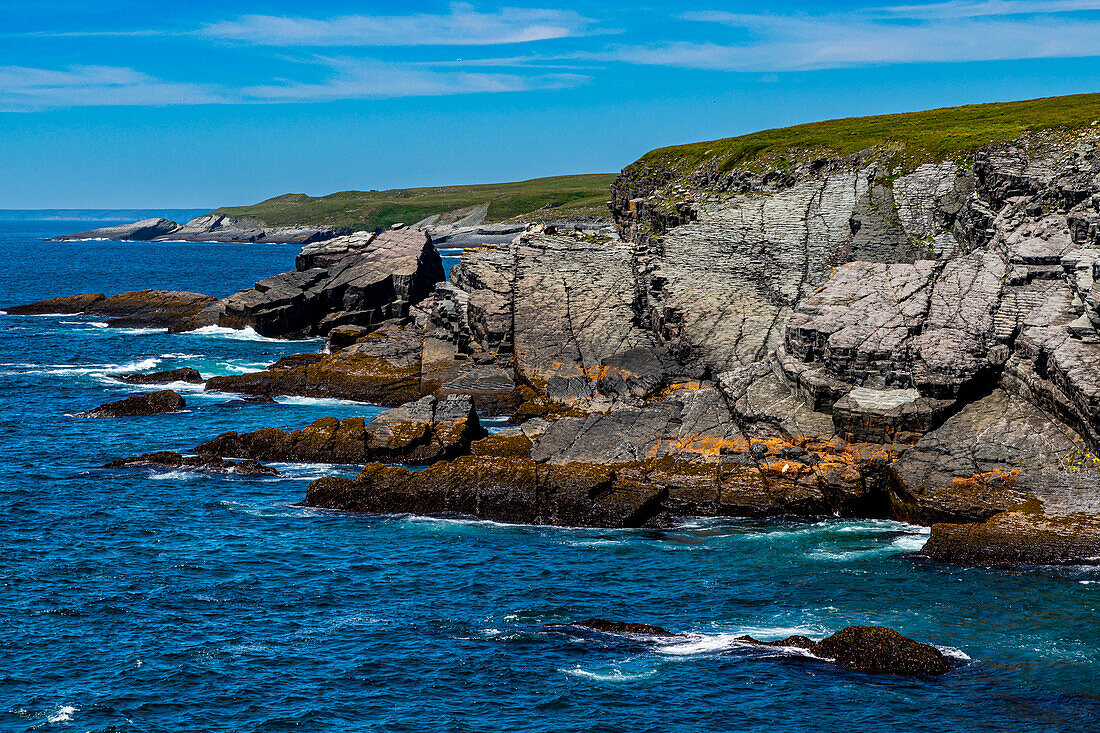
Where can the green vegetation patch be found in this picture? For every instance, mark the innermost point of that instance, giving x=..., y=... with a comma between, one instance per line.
x=581, y=195
x=913, y=138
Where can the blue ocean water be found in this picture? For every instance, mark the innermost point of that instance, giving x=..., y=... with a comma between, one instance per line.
x=172, y=601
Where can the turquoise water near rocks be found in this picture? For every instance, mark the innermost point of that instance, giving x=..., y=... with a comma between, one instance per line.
x=172, y=601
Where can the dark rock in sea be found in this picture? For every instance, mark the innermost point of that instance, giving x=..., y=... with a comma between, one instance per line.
x=153, y=403
x=141, y=309
x=617, y=627
x=501, y=488
x=870, y=649
x=67, y=305
x=203, y=463
x=183, y=374
x=419, y=432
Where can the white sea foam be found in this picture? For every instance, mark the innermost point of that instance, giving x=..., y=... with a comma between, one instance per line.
x=696, y=645
x=63, y=714
x=175, y=475
x=93, y=324
x=140, y=331
x=612, y=675
x=953, y=653
x=318, y=401
x=238, y=334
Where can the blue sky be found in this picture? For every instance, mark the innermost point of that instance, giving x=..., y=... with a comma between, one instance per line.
x=119, y=103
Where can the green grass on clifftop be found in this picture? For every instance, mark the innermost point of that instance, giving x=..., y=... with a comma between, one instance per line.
x=950, y=133
x=582, y=195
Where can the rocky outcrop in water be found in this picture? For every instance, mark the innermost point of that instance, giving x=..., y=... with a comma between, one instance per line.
x=182, y=374
x=419, y=432
x=200, y=463
x=153, y=403
x=844, y=337
x=140, y=309
x=211, y=228
x=870, y=649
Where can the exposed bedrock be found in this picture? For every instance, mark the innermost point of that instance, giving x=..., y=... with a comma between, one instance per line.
x=211, y=228
x=419, y=432
x=842, y=337
x=361, y=279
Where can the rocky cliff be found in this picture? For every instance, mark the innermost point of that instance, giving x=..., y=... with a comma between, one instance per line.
x=872, y=333
x=846, y=336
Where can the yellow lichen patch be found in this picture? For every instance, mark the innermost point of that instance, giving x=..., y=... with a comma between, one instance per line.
x=996, y=479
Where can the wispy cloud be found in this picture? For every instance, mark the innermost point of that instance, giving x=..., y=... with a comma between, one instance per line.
x=937, y=32
x=985, y=8
x=368, y=78
x=462, y=26
x=24, y=89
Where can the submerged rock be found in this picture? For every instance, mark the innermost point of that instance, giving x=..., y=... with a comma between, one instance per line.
x=153, y=403
x=616, y=627
x=204, y=463
x=183, y=374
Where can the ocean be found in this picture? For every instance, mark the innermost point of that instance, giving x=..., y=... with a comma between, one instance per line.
x=138, y=600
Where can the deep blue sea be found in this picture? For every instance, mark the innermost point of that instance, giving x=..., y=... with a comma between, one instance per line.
x=174, y=601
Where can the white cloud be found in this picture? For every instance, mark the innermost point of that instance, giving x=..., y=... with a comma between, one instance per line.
x=24, y=89
x=839, y=40
x=462, y=26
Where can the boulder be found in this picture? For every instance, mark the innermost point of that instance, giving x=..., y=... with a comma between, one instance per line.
x=153, y=403
x=182, y=374
x=870, y=649
x=202, y=463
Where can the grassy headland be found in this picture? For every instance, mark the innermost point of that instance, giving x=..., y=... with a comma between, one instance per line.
x=559, y=196
x=950, y=133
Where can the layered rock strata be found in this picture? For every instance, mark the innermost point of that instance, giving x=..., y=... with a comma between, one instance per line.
x=842, y=337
